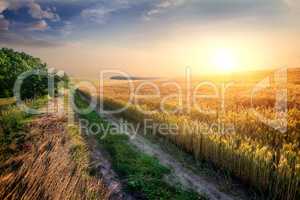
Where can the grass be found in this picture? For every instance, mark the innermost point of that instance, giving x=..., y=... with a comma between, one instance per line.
x=78, y=148
x=7, y=101
x=79, y=153
x=12, y=133
x=143, y=175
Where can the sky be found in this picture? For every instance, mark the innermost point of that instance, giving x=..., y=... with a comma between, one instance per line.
x=154, y=37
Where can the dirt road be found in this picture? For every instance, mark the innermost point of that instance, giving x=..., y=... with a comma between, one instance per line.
x=180, y=173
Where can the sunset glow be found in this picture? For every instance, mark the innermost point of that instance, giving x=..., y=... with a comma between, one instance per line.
x=156, y=38
x=224, y=60
x=150, y=99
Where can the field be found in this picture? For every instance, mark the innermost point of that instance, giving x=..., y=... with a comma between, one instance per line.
x=233, y=129
x=150, y=100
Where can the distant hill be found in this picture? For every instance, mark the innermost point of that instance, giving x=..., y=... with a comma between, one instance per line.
x=132, y=78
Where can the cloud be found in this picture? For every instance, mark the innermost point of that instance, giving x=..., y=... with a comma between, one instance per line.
x=20, y=33
x=3, y=5
x=39, y=26
x=169, y=3
x=34, y=9
x=4, y=24
x=67, y=28
x=13, y=4
x=37, y=12
x=101, y=12
x=162, y=6
x=98, y=15
x=216, y=9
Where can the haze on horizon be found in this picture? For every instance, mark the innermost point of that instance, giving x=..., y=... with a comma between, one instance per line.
x=154, y=38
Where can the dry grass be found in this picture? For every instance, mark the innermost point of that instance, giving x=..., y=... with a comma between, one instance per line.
x=46, y=170
x=7, y=101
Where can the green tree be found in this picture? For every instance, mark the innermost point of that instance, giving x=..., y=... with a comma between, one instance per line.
x=12, y=64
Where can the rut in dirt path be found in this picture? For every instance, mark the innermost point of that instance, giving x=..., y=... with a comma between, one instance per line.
x=102, y=166
x=181, y=174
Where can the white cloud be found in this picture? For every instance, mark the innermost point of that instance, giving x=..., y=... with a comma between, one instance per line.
x=101, y=12
x=162, y=6
x=35, y=9
x=167, y=3
x=37, y=12
x=153, y=12
x=98, y=15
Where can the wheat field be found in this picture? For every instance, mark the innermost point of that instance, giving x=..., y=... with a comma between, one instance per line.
x=257, y=154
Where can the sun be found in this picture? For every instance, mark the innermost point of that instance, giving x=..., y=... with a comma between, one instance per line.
x=224, y=60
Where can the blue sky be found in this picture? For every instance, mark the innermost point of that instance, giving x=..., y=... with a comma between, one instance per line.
x=54, y=20
x=139, y=24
